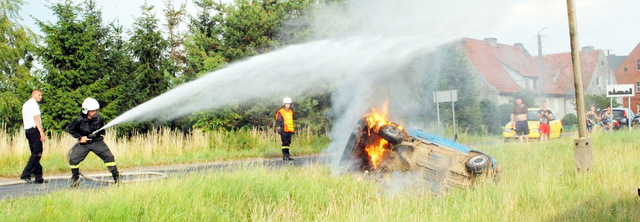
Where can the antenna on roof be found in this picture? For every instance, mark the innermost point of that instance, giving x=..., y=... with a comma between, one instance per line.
x=609, y=51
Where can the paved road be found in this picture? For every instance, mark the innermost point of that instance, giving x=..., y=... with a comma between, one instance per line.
x=17, y=188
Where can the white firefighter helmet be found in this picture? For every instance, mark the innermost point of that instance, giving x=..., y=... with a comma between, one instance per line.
x=286, y=100
x=90, y=104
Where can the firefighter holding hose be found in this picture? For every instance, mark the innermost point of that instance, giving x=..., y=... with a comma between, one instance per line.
x=84, y=129
x=284, y=127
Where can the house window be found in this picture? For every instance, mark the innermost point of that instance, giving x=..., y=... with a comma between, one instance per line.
x=597, y=81
x=638, y=64
x=625, y=69
x=608, y=80
x=637, y=87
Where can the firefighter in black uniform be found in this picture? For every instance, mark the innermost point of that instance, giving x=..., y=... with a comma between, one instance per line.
x=284, y=127
x=83, y=128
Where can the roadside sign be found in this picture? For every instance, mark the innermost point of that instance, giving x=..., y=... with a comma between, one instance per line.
x=620, y=90
x=445, y=96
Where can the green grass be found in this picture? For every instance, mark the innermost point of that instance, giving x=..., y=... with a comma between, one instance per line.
x=538, y=183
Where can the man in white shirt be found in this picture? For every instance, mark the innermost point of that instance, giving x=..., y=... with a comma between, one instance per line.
x=35, y=135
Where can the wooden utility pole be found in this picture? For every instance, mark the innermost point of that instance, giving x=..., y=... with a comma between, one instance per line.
x=582, y=150
x=541, y=76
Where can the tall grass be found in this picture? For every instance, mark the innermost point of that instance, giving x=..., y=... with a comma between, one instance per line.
x=538, y=183
x=158, y=147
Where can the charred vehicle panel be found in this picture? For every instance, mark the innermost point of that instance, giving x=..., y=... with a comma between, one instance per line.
x=382, y=146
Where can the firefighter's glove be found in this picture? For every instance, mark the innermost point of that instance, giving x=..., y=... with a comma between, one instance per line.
x=92, y=136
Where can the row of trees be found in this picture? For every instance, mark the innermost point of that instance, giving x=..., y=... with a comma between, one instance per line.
x=81, y=55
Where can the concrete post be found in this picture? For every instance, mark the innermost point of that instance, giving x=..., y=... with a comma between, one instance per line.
x=582, y=154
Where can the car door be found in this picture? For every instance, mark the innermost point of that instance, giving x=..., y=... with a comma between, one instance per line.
x=556, y=126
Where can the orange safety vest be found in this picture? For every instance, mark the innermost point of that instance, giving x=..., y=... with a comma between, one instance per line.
x=287, y=119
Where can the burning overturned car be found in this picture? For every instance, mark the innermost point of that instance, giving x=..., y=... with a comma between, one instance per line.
x=380, y=146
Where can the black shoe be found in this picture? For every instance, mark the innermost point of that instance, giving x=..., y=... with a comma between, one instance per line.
x=41, y=181
x=28, y=180
x=287, y=158
x=116, y=178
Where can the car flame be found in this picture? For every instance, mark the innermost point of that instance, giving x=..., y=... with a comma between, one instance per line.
x=377, y=146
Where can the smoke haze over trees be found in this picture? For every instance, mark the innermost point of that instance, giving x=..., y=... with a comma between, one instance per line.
x=82, y=56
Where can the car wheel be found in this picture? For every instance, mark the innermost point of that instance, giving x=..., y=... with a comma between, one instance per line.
x=478, y=164
x=391, y=133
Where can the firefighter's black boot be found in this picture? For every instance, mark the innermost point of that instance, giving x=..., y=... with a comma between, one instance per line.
x=287, y=155
x=115, y=174
x=75, y=178
x=284, y=154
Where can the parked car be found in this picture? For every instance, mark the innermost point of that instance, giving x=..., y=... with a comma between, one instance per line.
x=623, y=116
x=555, y=125
x=636, y=120
x=386, y=148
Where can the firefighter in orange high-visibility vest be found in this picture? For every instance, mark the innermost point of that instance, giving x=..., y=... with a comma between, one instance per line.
x=284, y=127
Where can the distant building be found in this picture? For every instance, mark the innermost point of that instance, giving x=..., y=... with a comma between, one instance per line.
x=615, y=61
x=595, y=68
x=506, y=69
x=629, y=73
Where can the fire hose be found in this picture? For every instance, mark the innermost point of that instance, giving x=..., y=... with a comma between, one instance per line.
x=100, y=178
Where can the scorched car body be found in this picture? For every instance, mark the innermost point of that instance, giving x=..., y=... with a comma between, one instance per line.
x=429, y=157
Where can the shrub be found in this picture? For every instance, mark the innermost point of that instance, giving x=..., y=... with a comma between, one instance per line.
x=570, y=120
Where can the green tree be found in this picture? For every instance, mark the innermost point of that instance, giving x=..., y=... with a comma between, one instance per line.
x=599, y=101
x=204, y=44
x=148, y=48
x=176, y=52
x=505, y=113
x=16, y=56
x=490, y=119
x=117, y=95
x=223, y=33
x=456, y=74
x=75, y=57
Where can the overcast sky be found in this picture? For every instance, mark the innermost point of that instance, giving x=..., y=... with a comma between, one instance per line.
x=605, y=24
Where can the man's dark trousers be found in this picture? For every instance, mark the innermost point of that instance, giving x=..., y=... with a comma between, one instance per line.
x=33, y=166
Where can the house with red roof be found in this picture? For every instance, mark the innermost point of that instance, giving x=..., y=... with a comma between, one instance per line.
x=594, y=66
x=629, y=73
x=506, y=69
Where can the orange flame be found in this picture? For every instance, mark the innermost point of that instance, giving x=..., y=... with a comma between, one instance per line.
x=376, y=148
x=375, y=151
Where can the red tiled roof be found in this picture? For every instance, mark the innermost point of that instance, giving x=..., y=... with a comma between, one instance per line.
x=491, y=61
x=632, y=75
x=559, y=67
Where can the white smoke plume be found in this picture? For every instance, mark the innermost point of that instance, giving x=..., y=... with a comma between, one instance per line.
x=361, y=49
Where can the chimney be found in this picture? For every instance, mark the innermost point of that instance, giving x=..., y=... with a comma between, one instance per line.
x=519, y=46
x=587, y=49
x=493, y=42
